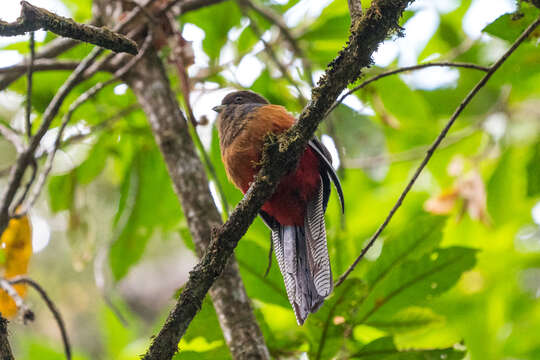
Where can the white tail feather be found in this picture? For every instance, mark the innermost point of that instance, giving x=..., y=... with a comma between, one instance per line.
x=317, y=246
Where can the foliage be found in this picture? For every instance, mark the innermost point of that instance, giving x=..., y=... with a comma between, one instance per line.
x=432, y=287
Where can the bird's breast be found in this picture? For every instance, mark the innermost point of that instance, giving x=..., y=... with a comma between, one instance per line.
x=242, y=156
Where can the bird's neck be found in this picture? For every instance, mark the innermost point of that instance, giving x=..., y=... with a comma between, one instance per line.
x=232, y=121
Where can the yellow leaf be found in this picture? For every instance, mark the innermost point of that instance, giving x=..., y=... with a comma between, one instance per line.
x=16, y=243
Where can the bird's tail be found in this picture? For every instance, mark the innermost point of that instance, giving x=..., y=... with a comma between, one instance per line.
x=302, y=255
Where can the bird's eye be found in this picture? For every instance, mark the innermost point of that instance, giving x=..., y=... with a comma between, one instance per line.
x=238, y=100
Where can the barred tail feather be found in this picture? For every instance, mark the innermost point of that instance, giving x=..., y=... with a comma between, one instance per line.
x=302, y=256
x=319, y=261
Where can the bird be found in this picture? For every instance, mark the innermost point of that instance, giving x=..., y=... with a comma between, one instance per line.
x=295, y=212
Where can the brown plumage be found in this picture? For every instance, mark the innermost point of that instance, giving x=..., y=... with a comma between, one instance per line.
x=295, y=213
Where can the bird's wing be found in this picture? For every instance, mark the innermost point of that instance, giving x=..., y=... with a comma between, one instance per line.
x=326, y=164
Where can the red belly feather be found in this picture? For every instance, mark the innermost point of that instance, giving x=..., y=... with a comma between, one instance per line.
x=288, y=204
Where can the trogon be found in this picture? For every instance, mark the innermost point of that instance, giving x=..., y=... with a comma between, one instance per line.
x=295, y=212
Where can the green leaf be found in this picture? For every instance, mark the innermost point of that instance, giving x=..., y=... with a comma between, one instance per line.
x=533, y=172
x=232, y=194
x=216, y=21
x=326, y=327
x=44, y=87
x=95, y=161
x=34, y=349
x=246, y=40
x=204, y=325
x=505, y=187
x=214, y=350
x=407, y=320
x=355, y=133
x=509, y=26
x=407, y=15
x=61, y=191
x=449, y=34
x=275, y=90
x=203, y=339
x=412, y=282
x=116, y=335
x=148, y=203
x=334, y=28
x=328, y=34
x=410, y=108
x=253, y=260
x=419, y=237
x=384, y=348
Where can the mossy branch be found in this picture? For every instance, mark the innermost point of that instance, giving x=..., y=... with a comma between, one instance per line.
x=34, y=18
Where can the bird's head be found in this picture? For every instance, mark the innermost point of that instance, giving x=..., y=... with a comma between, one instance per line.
x=240, y=98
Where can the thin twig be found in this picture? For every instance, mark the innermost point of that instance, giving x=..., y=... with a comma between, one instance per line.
x=33, y=18
x=408, y=155
x=13, y=137
x=52, y=307
x=29, y=73
x=188, y=5
x=29, y=183
x=437, y=142
x=405, y=69
x=41, y=65
x=105, y=124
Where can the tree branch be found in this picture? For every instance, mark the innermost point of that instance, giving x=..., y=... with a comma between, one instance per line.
x=5, y=348
x=187, y=5
x=33, y=18
x=43, y=65
x=438, y=141
x=355, y=8
x=48, y=51
x=373, y=28
x=29, y=73
x=13, y=137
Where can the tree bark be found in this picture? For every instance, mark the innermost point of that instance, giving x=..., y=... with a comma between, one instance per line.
x=150, y=84
x=5, y=348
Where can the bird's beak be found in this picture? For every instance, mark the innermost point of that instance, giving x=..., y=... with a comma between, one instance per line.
x=218, y=108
